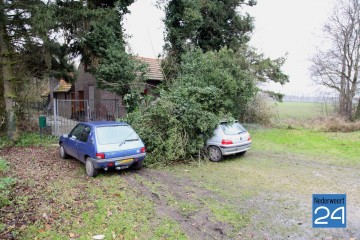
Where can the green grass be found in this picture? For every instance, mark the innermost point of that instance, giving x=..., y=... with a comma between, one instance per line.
x=6, y=184
x=168, y=229
x=339, y=148
x=302, y=111
x=3, y=165
x=265, y=193
x=34, y=139
x=274, y=180
x=30, y=139
x=107, y=206
x=227, y=213
x=187, y=208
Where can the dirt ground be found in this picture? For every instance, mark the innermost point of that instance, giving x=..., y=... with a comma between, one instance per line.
x=276, y=208
x=39, y=168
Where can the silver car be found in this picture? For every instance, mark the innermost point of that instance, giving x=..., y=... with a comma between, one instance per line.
x=229, y=138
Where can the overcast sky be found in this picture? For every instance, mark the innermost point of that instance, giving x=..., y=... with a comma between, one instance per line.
x=282, y=27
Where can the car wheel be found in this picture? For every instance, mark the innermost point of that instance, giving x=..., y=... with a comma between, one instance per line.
x=63, y=153
x=242, y=153
x=137, y=165
x=91, y=171
x=214, y=154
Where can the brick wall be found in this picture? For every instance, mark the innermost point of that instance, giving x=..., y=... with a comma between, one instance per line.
x=107, y=105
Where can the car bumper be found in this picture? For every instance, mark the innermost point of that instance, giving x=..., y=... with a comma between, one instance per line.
x=120, y=162
x=233, y=149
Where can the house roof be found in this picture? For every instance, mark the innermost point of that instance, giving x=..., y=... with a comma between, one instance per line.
x=155, y=71
x=62, y=87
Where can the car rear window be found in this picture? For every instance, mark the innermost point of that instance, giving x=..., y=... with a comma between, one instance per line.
x=115, y=134
x=232, y=128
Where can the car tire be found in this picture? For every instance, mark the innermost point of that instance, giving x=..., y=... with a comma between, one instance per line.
x=214, y=154
x=63, y=153
x=242, y=153
x=137, y=165
x=91, y=171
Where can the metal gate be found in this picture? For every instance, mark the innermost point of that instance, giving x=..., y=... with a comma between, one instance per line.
x=106, y=109
x=67, y=113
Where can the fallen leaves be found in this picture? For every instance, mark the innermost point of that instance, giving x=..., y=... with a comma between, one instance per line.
x=36, y=170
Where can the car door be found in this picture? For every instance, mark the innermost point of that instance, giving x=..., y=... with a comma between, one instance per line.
x=71, y=146
x=85, y=144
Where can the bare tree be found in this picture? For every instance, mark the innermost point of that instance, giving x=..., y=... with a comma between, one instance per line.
x=338, y=66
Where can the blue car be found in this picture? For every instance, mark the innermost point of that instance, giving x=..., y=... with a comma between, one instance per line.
x=103, y=145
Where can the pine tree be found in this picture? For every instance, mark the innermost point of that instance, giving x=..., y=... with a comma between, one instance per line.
x=94, y=32
x=208, y=25
x=29, y=45
x=16, y=32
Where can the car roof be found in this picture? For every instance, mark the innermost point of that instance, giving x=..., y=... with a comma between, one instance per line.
x=227, y=121
x=104, y=123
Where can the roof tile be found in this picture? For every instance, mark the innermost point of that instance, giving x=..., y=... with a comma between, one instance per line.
x=62, y=87
x=155, y=71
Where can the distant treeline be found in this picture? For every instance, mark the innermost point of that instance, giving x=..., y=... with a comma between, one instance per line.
x=324, y=99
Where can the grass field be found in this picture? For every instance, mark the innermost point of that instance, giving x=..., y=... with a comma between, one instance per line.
x=302, y=111
x=264, y=195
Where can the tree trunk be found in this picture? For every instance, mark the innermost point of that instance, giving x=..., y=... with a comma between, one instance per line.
x=342, y=97
x=7, y=78
x=357, y=114
x=349, y=106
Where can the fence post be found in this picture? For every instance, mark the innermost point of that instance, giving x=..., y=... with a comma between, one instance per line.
x=88, y=111
x=55, y=117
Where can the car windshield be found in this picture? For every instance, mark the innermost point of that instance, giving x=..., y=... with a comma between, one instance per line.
x=115, y=134
x=232, y=128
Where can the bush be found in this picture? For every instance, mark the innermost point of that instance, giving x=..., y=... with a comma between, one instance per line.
x=322, y=123
x=336, y=124
x=259, y=110
x=211, y=87
x=177, y=125
x=222, y=70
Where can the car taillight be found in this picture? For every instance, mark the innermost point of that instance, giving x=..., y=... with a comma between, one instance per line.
x=143, y=150
x=226, y=142
x=249, y=138
x=100, y=155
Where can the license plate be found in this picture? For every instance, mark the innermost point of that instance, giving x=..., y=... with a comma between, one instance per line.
x=125, y=161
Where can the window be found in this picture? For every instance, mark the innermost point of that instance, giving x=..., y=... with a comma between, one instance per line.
x=85, y=134
x=81, y=132
x=232, y=128
x=76, y=132
x=115, y=134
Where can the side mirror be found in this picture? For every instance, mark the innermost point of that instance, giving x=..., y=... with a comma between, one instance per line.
x=73, y=137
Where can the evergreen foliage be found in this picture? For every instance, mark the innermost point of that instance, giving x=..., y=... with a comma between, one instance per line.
x=208, y=25
x=18, y=39
x=211, y=25
x=210, y=87
x=94, y=32
x=31, y=46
